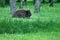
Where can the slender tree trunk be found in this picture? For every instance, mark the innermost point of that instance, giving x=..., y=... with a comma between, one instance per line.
x=43, y=1
x=18, y=0
x=51, y=3
x=13, y=6
x=58, y=1
x=21, y=4
x=37, y=6
x=25, y=2
x=34, y=1
x=2, y=3
x=7, y=1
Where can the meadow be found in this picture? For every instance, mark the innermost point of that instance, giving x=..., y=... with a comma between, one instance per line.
x=41, y=26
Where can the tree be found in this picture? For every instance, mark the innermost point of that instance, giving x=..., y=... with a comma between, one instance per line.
x=18, y=0
x=58, y=1
x=21, y=4
x=13, y=6
x=43, y=1
x=25, y=2
x=51, y=3
x=7, y=1
x=34, y=1
x=37, y=6
x=2, y=3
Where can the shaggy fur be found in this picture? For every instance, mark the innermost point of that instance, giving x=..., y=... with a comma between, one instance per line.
x=22, y=13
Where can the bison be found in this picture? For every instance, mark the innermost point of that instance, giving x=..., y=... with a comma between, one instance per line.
x=22, y=13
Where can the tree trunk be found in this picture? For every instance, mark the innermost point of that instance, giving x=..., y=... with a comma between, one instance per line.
x=58, y=1
x=21, y=4
x=34, y=1
x=2, y=3
x=25, y=2
x=18, y=0
x=13, y=6
x=51, y=3
x=43, y=1
x=37, y=6
x=7, y=1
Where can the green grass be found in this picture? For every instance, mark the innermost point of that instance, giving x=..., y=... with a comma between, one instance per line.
x=32, y=36
x=47, y=20
x=41, y=26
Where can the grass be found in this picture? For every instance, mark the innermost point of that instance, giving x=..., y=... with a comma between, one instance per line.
x=32, y=36
x=41, y=26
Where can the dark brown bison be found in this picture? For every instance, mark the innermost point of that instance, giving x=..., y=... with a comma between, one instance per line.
x=22, y=13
